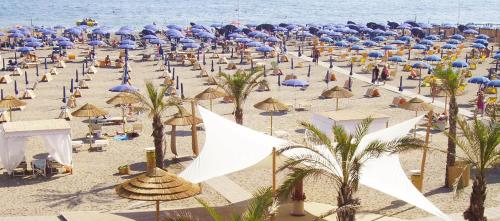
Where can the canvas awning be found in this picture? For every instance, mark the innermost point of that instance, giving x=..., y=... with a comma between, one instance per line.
x=14, y=135
x=348, y=119
x=230, y=147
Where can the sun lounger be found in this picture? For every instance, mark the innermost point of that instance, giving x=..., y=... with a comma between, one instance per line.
x=76, y=145
x=39, y=167
x=5, y=79
x=20, y=169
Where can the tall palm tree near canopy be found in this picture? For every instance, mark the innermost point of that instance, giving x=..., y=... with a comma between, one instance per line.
x=340, y=160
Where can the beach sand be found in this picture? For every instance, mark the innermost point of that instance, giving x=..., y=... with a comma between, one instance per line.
x=91, y=186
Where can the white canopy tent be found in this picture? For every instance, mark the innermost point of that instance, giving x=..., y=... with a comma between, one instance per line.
x=348, y=119
x=230, y=147
x=14, y=135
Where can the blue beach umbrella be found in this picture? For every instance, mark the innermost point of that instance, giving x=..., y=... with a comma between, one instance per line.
x=496, y=56
x=431, y=37
x=127, y=46
x=33, y=44
x=479, y=80
x=405, y=38
x=389, y=47
x=427, y=42
x=326, y=39
x=483, y=36
x=493, y=83
x=254, y=44
x=15, y=35
x=457, y=37
x=449, y=46
x=272, y=39
x=191, y=45
x=149, y=37
x=379, y=39
x=342, y=44
x=369, y=43
x=235, y=35
x=397, y=42
x=390, y=33
x=95, y=43
x=453, y=41
x=419, y=47
x=174, y=26
x=421, y=65
x=396, y=58
x=459, y=64
x=471, y=32
x=60, y=38
x=242, y=40
x=25, y=49
x=157, y=41
x=352, y=39
x=186, y=40
x=65, y=44
x=481, y=41
x=295, y=83
x=478, y=46
x=432, y=58
x=375, y=54
x=123, y=88
x=265, y=49
x=357, y=48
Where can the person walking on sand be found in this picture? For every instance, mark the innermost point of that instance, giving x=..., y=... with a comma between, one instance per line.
x=385, y=74
x=375, y=74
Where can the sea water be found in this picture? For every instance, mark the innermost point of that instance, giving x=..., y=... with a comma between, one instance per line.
x=137, y=13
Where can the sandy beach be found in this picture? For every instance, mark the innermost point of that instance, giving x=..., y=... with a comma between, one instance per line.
x=91, y=186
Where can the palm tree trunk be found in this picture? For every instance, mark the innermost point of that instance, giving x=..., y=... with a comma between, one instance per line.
x=158, y=140
x=346, y=204
x=452, y=121
x=475, y=212
x=238, y=115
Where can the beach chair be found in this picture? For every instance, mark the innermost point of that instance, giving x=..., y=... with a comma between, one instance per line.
x=290, y=76
x=46, y=78
x=82, y=84
x=231, y=66
x=16, y=72
x=99, y=145
x=196, y=66
x=21, y=169
x=92, y=70
x=53, y=71
x=5, y=79
x=222, y=60
x=203, y=73
x=137, y=128
x=76, y=145
x=28, y=94
x=64, y=114
x=61, y=64
x=39, y=167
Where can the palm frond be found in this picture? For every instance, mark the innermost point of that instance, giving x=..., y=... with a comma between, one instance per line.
x=211, y=211
x=296, y=176
x=258, y=207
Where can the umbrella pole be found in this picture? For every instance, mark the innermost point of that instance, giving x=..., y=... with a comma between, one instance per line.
x=10, y=113
x=445, y=103
x=157, y=210
x=272, y=112
x=210, y=104
x=173, y=145
x=337, y=104
x=273, y=218
x=194, y=133
x=424, y=155
x=90, y=136
x=123, y=118
x=415, y=129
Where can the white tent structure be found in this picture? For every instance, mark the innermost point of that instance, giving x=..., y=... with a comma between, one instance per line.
x=230, y=147
x=14, y=135
x=348, y=119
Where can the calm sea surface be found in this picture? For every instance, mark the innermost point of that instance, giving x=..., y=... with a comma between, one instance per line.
x=137, y=13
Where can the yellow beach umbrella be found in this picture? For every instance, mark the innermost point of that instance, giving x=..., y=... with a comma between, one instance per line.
x=272, y=105
x=10, y=102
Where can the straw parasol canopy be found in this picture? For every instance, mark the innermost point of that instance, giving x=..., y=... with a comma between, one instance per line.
x=122, y=99
x=10, y=102
x=416, y=104
x=182, y=118
x=89, y=110
x=272, y=105
x=209, y=94
x=337, y=92
x=157, y=185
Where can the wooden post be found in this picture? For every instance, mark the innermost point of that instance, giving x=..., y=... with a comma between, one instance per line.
x=173, y=145
x=337, y=104
x=157, y=210
x=194, y=133
x=272, y=112
x=273, y=218
x=445, y=103
x=424, y=155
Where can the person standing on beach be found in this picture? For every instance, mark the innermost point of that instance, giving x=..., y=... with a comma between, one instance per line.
x=375, y=74
x=385, y=74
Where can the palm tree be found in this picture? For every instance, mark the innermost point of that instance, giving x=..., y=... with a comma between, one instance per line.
x=260, y=208
x=480, y=143
x=342, y=167
x=156, y=106
x=451, y=84
x=239, y=86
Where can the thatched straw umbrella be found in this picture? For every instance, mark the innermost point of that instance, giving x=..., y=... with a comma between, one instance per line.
x=337, y=92
x=209, y=94
x=182, y=118
x=10, y=102
x=156, y=185
x=417, y=104
x=123, y=99
x=89, y=110
x=272, y=105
